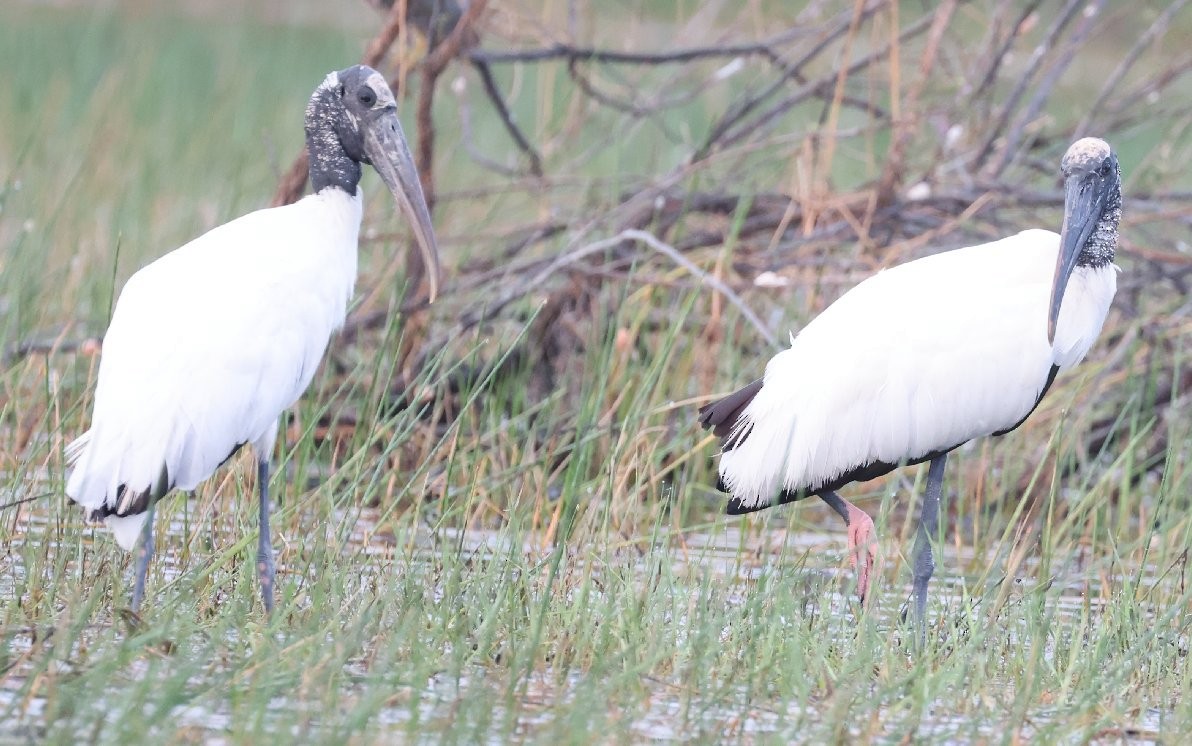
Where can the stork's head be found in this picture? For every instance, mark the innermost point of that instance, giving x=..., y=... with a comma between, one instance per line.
x=352, y=119
x=1092, y=209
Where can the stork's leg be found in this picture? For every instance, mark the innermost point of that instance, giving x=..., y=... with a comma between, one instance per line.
x=862, y=539
x=924, y=564
x=265, y=570
x=143, y=554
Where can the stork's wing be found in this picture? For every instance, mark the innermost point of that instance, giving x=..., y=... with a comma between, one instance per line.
x=207, y=346
x=915, y=360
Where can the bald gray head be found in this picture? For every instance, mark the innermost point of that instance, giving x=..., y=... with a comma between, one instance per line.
x=1091, y=172
x=1092, y=211
x=334, y=117
x=352, y=119
x=1088, y=155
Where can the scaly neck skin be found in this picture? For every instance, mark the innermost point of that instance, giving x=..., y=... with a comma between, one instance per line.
x=1098, y=250
x=330, y=165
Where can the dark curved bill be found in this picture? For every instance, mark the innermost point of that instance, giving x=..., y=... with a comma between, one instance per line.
x=385, y=145
x=1084, y=199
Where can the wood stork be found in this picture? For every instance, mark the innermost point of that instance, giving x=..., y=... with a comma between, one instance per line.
x=209, y=344
x=921, y=358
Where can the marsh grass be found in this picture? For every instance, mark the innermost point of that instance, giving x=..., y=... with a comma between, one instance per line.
x=526, y=563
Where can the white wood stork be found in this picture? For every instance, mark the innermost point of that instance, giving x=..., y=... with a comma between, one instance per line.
x=209, y=344
x=921, y=358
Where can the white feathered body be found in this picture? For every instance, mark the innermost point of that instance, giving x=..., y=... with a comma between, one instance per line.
x=917, y=359
x=208, y=346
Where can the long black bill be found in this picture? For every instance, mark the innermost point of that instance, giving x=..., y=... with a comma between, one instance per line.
x=1084, y=200
x=385, y=145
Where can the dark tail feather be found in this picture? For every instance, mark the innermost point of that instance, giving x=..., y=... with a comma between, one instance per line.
x=721, y=415
x=128, y=503
x=132, y=502
x=736, y=507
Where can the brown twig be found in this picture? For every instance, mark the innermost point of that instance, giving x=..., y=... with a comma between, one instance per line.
x=734, y=127
x=998, y=55
x=375, y=53
x=1046, y=83
x=982, y=176
x=432, y=67
x=1012, y=101
x=904, y=127
x=571, y=53
x=498, y=101
x=736, y=113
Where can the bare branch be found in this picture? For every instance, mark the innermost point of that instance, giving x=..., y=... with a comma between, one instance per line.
x=1011, y=104
x=498, y=101
x=571, y=54
x=1046, y=84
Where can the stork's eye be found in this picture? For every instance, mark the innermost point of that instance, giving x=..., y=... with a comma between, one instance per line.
x=341, y=91
x=366, y=96
x=1106, y=167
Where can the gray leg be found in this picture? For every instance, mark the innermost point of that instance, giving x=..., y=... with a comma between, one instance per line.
x=924, y=564
x=836, y=503
x=264, y=546
x=143, y=555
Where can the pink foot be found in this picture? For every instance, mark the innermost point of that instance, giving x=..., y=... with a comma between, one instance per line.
x=862, y=545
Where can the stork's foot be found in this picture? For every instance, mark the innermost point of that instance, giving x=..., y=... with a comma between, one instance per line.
x=862, y=540
x=862, y=548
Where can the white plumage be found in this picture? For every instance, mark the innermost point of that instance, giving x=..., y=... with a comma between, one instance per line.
x=923, y=357
x=918, y=358
x=209, y=344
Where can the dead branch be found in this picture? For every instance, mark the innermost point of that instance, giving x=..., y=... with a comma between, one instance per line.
x=569, y=53
x=432, y=67
x=1157, y=28
x=1046, y=84
x=1011, y=105
x=937, y=157
x=739, y=110
x=730, y=131
x=892, y=173
x=498, y=101
x=998, y=55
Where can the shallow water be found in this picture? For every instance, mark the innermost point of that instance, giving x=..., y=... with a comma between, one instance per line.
x=732, y=554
